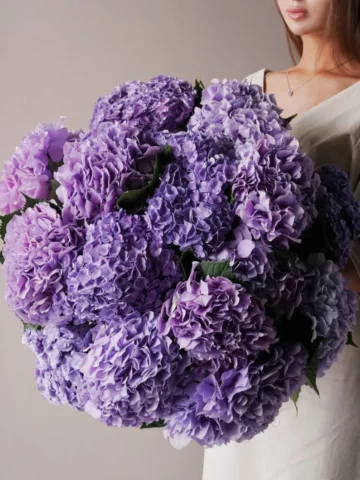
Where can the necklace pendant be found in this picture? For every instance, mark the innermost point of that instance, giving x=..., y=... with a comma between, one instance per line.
x=290, y=93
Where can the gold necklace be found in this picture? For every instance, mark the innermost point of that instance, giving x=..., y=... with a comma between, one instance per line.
x=292, y=90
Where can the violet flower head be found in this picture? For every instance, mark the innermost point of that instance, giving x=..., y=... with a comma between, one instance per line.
x=191, y=205
x=283, y=286
x=338, y=223
x=59, y=350
x=237, y=110
x=275, y=189
x=28, y=170
x=124, y=265
x=330, y=307
x=100, y=167
x=213, y=318
x=130, y=371
x=39, y=251
x=249, y=258
x=163, y=103
x=238, y=403
x=274, y=185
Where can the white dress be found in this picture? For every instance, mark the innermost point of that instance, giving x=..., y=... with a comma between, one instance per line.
x=322, y=442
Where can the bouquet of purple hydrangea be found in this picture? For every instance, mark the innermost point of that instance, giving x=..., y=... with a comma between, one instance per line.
x=178, y=264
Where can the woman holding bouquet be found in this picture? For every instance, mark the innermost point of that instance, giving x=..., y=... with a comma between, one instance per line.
x=323, y=90
x=183, y=265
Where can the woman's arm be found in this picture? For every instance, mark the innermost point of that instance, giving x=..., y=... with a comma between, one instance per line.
x=352, y=276
x=352, y=270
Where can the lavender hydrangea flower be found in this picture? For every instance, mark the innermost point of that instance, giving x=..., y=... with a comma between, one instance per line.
x=275, y=189
x=130, y=371
x=163, y=103
x=249, y=258
x=59, y=350
x=100, y=167
x=283, y=286
x=338, y=223
x=275, y=185
x=237, y=110
x=39, y=251
x=238, y=403
x=191, y=205
x=330, y=307
x=123, y=265
x=28, y=171
x=214, y=318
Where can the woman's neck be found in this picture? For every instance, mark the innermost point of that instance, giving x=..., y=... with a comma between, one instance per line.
x=312, y=61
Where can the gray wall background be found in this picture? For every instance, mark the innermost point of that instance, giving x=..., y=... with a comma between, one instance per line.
x=56, y=58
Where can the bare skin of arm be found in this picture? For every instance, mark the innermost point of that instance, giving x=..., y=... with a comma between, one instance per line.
x=351, y=275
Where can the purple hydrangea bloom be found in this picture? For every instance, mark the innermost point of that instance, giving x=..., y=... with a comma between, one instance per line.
x=274, y=186
x=191, y=205
x=237, y=403
x=123, y=265
x=98, y=169
x=163, y=103
x=28, y=170
x=271, y=181
x=39, y=251
x=275, y=189
x=59, y=351
x=214, y=318
x=311, y=303
x=283, y=286
x=237, y=110
x=338, y=223
x=249, y=258
x=330, y=306
x=130, y=371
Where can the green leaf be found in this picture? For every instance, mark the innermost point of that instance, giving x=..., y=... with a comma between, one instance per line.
x=199, y=87
x=229, y=194
x=159, y=424
x=30, y=202
x=4, y=221
x=311, y=371
x=54, y=166
x=162, y=159
x=54, y=199
x=133, y=201
x=186, y=260
x=2, y=259
x=54, y=186
x=350, y=340
x=217, y=269
x=30, y=326
x=288, y=119
x=295, y=398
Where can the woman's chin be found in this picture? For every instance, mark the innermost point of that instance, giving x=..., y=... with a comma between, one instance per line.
x=302, y=28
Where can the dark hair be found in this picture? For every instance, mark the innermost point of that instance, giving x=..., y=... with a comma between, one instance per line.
x=343, y=25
